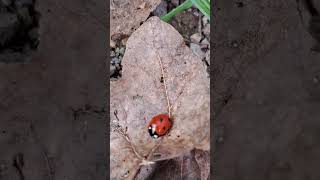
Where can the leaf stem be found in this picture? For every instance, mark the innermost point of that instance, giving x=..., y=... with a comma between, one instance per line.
x=165, y=86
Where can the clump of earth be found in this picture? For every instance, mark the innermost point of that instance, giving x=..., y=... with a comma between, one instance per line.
x=18, y=30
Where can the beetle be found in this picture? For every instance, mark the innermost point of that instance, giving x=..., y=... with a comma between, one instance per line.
x=159, y=125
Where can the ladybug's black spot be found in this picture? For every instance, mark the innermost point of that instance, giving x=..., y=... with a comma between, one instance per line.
x=161, y=120
x=161, y=79
x=164, y=128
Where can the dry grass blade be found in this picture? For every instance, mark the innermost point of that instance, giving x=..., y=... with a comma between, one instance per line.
x=165, y=85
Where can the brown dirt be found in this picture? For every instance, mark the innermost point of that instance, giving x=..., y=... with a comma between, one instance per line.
x=266, y=93
x=52, y=109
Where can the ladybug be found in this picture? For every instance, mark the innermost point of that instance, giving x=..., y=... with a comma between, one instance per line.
x=159, y=125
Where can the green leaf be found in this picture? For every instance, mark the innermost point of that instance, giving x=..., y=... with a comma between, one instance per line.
x=182, y=7
x=203, y=6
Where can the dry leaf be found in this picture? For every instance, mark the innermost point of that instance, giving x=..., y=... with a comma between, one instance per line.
x=203, y=160
x=126, y=15
x=139, y=95
x=183, y=167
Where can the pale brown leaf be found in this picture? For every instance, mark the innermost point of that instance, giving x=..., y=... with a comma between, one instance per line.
x=139, y=95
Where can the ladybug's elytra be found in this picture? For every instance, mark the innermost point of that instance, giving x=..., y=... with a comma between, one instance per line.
x=159, y=125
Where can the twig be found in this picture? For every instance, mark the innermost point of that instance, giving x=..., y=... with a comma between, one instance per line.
x=121, y=132
x=165, y=86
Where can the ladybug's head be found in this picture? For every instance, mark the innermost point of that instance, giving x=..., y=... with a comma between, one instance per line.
x=152, y=131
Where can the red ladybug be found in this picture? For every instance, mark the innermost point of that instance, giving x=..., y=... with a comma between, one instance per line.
x=159, y=125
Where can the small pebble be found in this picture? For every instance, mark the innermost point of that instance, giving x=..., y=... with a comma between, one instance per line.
x=161, y=9
x=142, y=5
x=124, y=41
x=315, y=80
x=112, y=70
x=205, y=41
x=197, y=50
x=116, y=60
x=117, y=51
x=234, y=44
x=208, y=57
x=121, y=50
x=195, y=38
x=196, y=13
x=205, y=20
x=206, y=30
x=112, y=54
x=175, y=2
x=112, y=44
x=117, y=65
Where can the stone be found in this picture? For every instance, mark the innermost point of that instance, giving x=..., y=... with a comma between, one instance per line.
x=206, y=30
x=161, y=9
x=205, y=20
x=112, y=54
x=112, y=44
x=112, y=70
x=124, y=41
x=195, y=38
x=196, y=49
x=122, y=50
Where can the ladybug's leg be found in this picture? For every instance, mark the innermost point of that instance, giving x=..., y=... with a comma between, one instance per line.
x=145, y=120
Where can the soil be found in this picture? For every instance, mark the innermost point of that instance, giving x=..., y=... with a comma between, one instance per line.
x=52, y=109
x=266, y=90
x=18, y=30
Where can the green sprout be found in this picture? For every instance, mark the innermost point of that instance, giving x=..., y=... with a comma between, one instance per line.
x=202, y=5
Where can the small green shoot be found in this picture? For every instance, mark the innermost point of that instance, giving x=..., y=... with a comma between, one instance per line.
x=202, y=5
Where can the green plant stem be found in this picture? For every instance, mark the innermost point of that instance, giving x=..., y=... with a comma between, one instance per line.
x=184, y=6
x=203, y=6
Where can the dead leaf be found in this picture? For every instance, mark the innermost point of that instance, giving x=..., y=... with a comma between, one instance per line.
x=126, y=15
x=139, y=95
x=184, y=167
x=203, y=160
